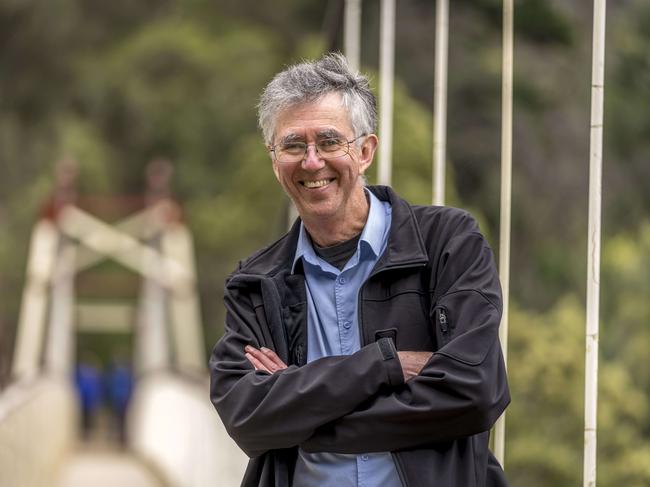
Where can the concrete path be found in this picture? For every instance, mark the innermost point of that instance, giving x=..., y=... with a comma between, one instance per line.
x=106, y=468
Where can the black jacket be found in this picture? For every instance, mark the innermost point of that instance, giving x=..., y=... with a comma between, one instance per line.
x=435, y=288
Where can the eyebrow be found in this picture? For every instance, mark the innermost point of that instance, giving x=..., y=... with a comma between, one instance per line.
x=323, y=134
x=329, y=134
x=289, y=138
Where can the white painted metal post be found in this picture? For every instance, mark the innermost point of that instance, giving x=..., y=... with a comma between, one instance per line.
x=152, y=346
x=352, y=33
x=506, y=195
x=59, y=348
x=593, y=252
x=386, y=81
x=440, y=102
x=184, y=307
x=33, y=309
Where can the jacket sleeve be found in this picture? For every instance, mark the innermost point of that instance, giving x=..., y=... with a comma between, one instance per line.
x=264, y=411
x=462, y=389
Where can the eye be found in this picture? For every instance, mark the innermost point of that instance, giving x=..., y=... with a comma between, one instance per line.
x=293, y=147
x=330, y=143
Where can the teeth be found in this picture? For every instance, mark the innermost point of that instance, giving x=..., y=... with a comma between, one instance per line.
x=316, y=184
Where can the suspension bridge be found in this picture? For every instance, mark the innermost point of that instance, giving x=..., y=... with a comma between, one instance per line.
x=173, y=435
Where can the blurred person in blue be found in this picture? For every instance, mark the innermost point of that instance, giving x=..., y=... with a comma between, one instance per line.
x=88, y=383
x=119, y=387
x=361, y=348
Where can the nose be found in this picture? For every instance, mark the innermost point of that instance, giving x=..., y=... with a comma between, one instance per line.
x=312, y=158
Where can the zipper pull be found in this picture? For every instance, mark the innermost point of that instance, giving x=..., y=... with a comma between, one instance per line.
x=442, y=317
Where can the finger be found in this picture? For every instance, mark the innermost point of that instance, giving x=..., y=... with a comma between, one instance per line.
x=274, y=357
x=268, y=364
x=256, y=363
x=268, y=357
x=255, y=353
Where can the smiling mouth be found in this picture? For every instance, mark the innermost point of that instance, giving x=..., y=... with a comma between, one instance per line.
x=316, y=184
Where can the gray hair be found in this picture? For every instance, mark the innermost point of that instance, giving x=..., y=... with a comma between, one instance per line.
x=311, y=80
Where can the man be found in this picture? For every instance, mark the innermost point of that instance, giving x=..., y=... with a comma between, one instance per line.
x=361, y=348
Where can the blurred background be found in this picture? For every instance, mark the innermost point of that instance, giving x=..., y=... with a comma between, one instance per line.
x=149, y=108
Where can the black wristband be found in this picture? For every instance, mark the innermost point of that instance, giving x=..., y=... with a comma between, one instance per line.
x=387, y=348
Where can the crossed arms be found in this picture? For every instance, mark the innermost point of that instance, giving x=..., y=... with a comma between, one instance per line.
x=364, y=402
x=268, y=361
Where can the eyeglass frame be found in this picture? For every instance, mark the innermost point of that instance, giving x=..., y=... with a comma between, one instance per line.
x=271, y=148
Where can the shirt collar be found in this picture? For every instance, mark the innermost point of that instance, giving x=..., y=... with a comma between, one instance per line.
x=375, y=231
x=303, y=248
x=373, y=234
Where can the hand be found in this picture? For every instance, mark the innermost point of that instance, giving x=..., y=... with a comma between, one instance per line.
x=413, y=363
x=264, y=359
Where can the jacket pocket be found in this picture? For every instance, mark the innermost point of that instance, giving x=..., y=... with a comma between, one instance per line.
x=467, y=326
x=387, y=333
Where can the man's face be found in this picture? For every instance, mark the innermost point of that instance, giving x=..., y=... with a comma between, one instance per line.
x=322, y=187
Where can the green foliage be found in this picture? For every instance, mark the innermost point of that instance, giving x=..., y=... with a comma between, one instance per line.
x=627, y=120
x=535, y=20
x=412, y=148
x=81, y=141
x=625, y=304
x=545, y=420
x=541, y=22
x=544, y=435
x=144, y=84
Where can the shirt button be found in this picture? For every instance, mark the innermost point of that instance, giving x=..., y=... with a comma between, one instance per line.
x=347, y=325
x=341, y=280
x=364, y=458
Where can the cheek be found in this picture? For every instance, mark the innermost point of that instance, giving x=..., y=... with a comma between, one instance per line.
x=283, y=175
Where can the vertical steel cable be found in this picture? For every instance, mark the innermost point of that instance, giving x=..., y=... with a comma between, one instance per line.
x=352, y=33
x=506, y=203
x=440, y=102
x=386, y=81
x=593, y=253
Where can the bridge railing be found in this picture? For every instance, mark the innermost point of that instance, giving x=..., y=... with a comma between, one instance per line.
x=38, y=421
x=173, y=425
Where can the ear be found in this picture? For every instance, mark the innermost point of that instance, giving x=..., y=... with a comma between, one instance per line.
x=367, y=152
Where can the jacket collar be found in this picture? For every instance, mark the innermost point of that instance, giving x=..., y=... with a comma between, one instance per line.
x=405, y=244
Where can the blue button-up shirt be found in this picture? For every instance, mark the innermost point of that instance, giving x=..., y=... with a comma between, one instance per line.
x=333, y=329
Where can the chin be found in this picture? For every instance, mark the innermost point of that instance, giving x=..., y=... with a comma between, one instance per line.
x=318, y=210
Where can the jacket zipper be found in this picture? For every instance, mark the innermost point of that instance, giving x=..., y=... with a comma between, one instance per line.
x=397, y=460
x=290, y=358
x=441, y=315
x=444, y=325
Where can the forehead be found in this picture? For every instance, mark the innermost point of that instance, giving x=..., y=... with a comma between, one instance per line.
x=324, y=114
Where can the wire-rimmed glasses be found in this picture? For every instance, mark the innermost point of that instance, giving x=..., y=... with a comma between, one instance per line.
x=328, y=148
